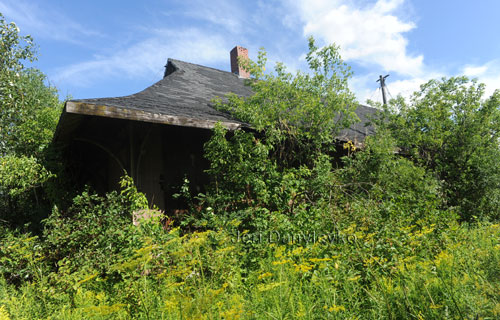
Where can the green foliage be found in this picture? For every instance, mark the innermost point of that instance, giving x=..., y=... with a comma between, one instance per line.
x=94, y=230
x=449, y=129
x=14, y=48
x=29, y=110
x=278, y=175
x=417, y=271
x=20, y=174
x=29, y=113
x=248, y=185
x=20, y=257
x=404, y=190
x=21, y=193
x=129, y=192
x=243, y=175
x=297, y=114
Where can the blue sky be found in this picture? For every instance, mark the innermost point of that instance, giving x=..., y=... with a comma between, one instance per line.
x=110, y=48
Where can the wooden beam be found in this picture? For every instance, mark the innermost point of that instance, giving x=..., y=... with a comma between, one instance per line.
x=139, y=115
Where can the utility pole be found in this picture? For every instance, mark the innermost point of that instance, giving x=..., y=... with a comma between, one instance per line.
x=382, y=86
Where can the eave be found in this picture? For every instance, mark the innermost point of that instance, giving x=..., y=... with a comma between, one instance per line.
x=84, y=108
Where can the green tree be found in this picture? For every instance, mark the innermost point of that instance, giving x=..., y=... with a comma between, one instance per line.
x=298, y=114
x=452, y=130
x=29, y=110
x=278, y=174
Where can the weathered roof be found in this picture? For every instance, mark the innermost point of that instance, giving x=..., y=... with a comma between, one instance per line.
x=360, y=130
x=184, y=97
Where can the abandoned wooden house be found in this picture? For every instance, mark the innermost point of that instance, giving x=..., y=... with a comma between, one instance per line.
x=157, y=135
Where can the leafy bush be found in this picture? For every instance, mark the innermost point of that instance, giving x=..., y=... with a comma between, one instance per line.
x=95, y=230
x=402, y=190
x=20, y=257
x=29, y=109
x=297, y=114
x=449, y=129
x=21, y=195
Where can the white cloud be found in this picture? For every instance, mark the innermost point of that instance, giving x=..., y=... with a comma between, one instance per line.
x=406, y=87
x=148, y=57
x=224, y=13
x=365, y=88
x=488, y=73
x=474, y=71
x=370, y=35
x=45, y=22
x=373, y=35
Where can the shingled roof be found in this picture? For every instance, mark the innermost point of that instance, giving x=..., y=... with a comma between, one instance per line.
x=184, y=97
x=360, y=130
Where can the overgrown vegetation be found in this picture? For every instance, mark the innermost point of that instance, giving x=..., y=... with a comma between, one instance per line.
x=29, y=110
x=453, y=131
x=405, y=228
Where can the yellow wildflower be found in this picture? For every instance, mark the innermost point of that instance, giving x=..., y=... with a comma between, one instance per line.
x=223, y=250
x=176, y=284
x=355, y=278
x=303, y=267
x=4, y=315
x=443, y=256
x=334, y=308
x=297, y=251
x=277, y=263
x=265, y=275
x=279, y=251
x=316, y=260
x=269, y=286
x=92, y=276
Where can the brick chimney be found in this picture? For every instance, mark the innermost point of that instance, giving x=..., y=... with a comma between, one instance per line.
x=235, y=53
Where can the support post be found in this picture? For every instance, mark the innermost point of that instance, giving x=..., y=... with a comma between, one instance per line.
x=382, y=86
x=132, y=151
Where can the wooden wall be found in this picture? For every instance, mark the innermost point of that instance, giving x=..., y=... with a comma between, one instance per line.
x=158, y=157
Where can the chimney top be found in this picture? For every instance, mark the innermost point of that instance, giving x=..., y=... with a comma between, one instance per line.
x=235, y=68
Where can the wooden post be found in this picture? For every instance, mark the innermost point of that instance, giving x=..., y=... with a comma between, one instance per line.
x=132, y=151
x=382, y=86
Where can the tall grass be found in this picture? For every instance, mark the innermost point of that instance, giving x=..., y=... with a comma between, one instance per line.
x=424, y=273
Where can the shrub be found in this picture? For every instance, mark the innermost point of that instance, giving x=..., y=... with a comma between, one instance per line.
x=452, y=131
x=95, y=230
